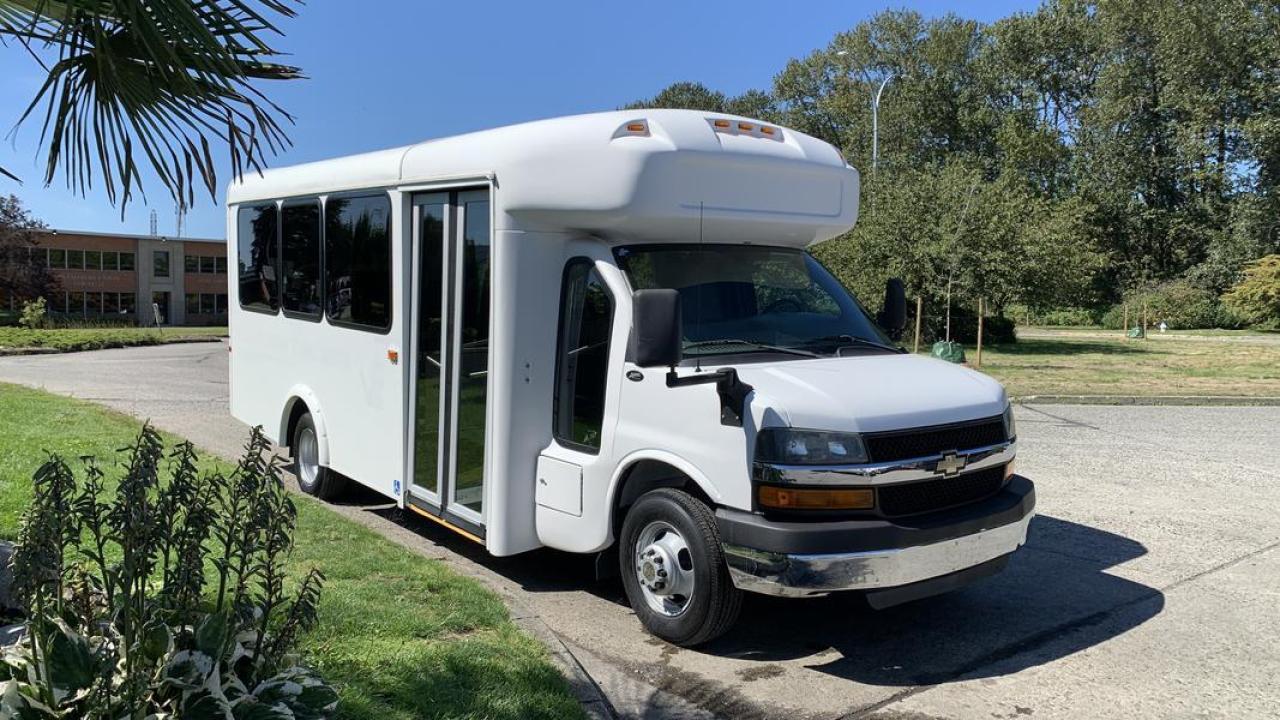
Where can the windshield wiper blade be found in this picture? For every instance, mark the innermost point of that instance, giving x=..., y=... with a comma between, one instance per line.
x=753, y=344
x=853, y=340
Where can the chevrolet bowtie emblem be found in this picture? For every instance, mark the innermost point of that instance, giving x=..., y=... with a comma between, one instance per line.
x=950, y=464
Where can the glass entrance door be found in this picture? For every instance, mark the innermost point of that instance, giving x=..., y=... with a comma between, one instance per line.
x=451, y=358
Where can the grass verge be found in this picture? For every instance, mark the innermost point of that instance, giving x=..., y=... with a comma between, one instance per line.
x=75, y=339
x=1094, y=364
x=400, y=636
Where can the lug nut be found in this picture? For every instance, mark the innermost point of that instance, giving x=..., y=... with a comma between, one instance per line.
x=662, y=573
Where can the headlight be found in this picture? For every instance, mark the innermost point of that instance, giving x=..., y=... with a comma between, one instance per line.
x=1010, y=429
x=789, y=446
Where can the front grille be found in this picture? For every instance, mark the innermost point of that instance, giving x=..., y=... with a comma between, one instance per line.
x=928, y=495
x=933, y=440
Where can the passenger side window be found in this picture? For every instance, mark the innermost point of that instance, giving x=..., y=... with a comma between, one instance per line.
x=586, y=324
x=256, y=258
x=358, y=261
x=300, y=259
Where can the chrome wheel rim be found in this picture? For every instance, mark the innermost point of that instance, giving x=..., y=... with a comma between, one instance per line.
x=308, y=456
x=664, y=568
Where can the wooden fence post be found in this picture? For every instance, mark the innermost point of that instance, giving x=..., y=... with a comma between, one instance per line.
x=919, y=311
x=1144, y=321
x=981, y=308
x=1125, y=329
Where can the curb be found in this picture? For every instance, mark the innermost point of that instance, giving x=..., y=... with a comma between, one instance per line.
x=1151, y=400
x=40, y=350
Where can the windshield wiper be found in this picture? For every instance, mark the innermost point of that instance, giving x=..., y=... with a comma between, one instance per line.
x=753, y=344
x=853, y=340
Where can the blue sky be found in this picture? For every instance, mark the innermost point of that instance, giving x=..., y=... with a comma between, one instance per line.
x=412, y=70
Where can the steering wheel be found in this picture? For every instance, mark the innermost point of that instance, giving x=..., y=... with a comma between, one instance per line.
x=786, y=302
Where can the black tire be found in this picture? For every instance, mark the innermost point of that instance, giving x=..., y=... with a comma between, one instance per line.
x=324, y=484
x=714, y=604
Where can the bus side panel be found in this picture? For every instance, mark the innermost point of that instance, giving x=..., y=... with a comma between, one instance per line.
x=355, y=376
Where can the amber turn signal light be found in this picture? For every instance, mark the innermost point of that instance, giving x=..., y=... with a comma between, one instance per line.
x=816, y=499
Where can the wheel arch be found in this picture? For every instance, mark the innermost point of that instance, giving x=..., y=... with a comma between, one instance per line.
x=303, y=401
x=643, y=471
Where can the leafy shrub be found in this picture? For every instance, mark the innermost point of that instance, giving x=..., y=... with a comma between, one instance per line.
x=1178, y=303
x=1256, y=298
x=996, y=329
x=33, y=313
x=167, y=599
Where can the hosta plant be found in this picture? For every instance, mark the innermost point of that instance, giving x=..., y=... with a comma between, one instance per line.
x=167, y=598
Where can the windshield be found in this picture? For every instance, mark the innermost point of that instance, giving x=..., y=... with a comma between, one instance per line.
x=745, y=298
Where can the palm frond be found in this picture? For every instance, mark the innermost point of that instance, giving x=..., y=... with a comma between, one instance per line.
x=163, y=79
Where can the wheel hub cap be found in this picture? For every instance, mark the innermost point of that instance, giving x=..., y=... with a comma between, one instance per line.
x=664, y=568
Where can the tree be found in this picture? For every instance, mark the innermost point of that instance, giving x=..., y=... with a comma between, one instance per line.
x=24, y=275
x=155, y=82
x=1257, y=296
x=696, y=96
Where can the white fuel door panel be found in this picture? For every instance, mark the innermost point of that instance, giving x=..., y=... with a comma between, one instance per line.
x=559, y=485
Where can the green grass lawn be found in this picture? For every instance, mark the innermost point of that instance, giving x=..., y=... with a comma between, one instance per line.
x=401, y=636
x=1102, y=363
x=74, y=339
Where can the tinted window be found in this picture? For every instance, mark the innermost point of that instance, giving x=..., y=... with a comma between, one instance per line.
x=358, y=260
x=128, y=303
x=75, y=259
x=206, y=303
x=126, y=261
x=206, y=264
x=57, y=258
x=586, y=320
x=190, y=263
x=92, y=260
x=220, y=264
x=110, y=261
x=256, y=258
x=192, y=301
x=300, y=258
x=160, y=263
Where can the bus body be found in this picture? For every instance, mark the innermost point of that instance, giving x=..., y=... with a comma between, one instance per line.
x=604, y=333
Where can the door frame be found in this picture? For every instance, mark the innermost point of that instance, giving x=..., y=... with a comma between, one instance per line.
x=440, y=505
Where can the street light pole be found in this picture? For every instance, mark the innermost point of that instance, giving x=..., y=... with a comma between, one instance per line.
x=875, y=116
x=875, y=123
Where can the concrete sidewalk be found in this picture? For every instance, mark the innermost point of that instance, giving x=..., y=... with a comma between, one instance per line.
x=1148, y=588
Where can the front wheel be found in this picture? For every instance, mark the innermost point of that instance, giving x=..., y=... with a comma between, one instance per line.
x=313, y=478
x=674, y=570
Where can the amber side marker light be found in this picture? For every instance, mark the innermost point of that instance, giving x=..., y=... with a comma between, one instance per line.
x=812, y=499
x=721, y=123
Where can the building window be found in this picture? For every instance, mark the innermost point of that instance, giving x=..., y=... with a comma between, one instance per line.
x=221, y=307
x=128, y=303
x=111, y=260
x=586, y=323
x=93, y=303
x=75, y=259
x=358, y=260
x=75, y=302
x=39, y=255
x=160, y=302
x=206, y=304
x=192, y=301
x=300, y=258
x=160, y=263
x=220, y=264
x=206, y=263
x=57, y=258
x=126, y=261
x=256, y=258
x=92, y=260
x=110, y=303
x=191, y=263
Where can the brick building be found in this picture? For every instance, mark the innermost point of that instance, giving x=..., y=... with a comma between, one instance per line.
x=106, y=276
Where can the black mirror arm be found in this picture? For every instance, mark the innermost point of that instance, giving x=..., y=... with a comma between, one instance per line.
x=732, y=391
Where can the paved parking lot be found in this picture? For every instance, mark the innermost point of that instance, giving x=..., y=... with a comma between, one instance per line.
x=1150, y=586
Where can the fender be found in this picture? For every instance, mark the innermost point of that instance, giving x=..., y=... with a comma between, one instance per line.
x=663, y=456
x=304, y=393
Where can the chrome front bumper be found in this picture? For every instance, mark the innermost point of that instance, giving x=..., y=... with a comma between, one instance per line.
x=799, y=575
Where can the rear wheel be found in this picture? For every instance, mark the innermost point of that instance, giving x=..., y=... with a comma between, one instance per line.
x=674, y=571
x=313, y=478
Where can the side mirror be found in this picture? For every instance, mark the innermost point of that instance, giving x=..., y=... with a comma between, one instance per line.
x=893, y=317
x=655, y=328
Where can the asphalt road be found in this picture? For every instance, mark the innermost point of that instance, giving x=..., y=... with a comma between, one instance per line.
x=1150, y=586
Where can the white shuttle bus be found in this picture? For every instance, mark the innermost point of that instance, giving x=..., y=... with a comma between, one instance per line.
x=604, y=334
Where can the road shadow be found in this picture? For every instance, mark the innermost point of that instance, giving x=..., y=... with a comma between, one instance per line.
x=1053, y=600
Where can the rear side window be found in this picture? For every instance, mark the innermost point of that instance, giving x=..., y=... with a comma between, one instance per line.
x=300, y=259
x=358, y=261
x=582, y=364
x=256, y=258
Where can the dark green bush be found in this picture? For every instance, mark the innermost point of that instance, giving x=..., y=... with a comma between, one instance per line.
x=1179, y=304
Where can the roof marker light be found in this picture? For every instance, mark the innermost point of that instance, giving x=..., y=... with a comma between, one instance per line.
x=745, y=127
x=721, y=123
x=767, y=130
x=637, y=127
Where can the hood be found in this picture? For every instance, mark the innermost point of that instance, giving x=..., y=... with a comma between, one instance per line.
x=869, y=393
